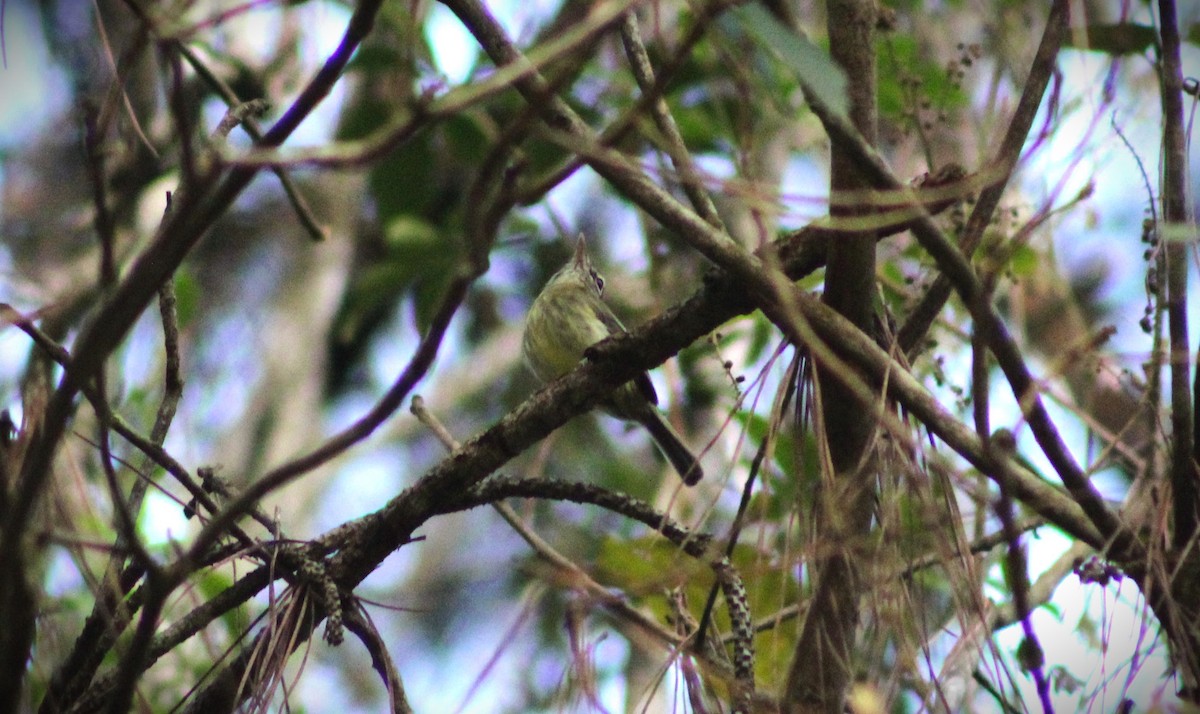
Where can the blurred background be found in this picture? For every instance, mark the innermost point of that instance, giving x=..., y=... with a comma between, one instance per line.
x=286, y=340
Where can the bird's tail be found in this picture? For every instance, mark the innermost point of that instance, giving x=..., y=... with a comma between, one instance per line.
x=672, y=447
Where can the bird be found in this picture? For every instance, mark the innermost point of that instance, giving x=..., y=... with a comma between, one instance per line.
x=567, y=317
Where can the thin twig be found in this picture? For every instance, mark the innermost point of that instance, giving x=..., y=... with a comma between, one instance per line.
x=616, y=132
x=358, y=621
x=573, y=573
x=778, y=409
x=204, y=200
x=694, y=544
x=429, y=108
x=124, y=516
x=191, y=218
x=299, y=204
x=1174, y=192
x=150, y=447
x=362, y=428
x=1125, y=545
x=543, y=549
x=179, y=106
x=1030, y=653
x=689, y=176
x=119, y=69
x=916, y=326
x=105, y=229
x=697, y=545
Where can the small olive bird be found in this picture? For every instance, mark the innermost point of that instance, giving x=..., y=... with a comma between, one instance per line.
x=568, y=317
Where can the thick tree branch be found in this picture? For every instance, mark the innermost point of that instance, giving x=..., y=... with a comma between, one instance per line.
x=362, y=545
x=1175, y=605
x=823, y=658
x=190, y=219
x=1184, y=476
x=205, y=199
x=1124, y=544
x=764, y=285
x=917, y=324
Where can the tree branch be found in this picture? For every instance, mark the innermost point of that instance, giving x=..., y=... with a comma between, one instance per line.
x=183, y=227
x=918, y=322
x=1185, y=491
x=823, y=656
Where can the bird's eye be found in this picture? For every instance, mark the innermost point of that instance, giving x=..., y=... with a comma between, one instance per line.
x=599, y=282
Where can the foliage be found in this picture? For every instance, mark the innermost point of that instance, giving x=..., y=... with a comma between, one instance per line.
x=241, y=356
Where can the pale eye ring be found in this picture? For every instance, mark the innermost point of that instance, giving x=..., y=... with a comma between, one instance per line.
x=599, y=282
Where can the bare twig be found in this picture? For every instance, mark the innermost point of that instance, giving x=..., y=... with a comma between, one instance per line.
x=105, y=230
x=577, y=576
x=299, y=204
x=362, y=428
x=372, y=539
x=778, y=410
x=962, y=660
x=150, y=447
x=178, y=103
x=204, y=200
x=543, y=549
x=359, y=622
x=821, y=669
x=119, y=69
x=133, y=659
x=689, y=176
x=184, y=226
x=1125, y=545
x=917, y=325
x=428, y=108
x=1030, y=653
x=124, y=517
x=627, y=122
x=697, y=545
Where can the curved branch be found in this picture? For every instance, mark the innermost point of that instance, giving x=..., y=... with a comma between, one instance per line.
x=950, y=260
x=917, y=325
x=183, y=227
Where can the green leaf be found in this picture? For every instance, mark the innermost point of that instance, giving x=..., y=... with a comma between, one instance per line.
x=410, y=236
x=375, y=58
x=701, y=126
x=763, y=335
x=900, y=57
x=212, y=583
x=360, y=119
x=647, y=565
x=187, y=297
x=409, y=180
x=417, y=264
x=469, y=135
x=812, y=65
x=1024, y=261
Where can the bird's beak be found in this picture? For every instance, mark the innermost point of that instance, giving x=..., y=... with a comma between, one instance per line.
x=581, y=252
